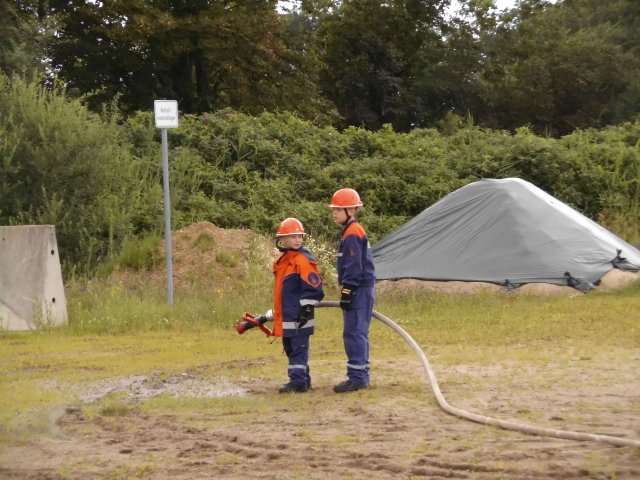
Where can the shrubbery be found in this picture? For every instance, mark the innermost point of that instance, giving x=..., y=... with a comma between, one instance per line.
x=99, y=179
x=62, y=165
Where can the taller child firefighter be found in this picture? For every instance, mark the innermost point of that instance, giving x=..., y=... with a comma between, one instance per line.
x=356, y=275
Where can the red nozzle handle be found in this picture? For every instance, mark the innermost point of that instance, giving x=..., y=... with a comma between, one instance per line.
x=249, y=321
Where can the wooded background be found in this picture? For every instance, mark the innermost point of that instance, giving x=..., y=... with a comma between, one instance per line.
x=554, y=67
x=404, y=100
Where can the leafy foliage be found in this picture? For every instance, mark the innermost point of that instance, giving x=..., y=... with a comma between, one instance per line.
x=20, y=42
x=99, y=179
x=369, y=52
x=551, y=67
x=64, y=166
x=560, y=67
x=205, y=54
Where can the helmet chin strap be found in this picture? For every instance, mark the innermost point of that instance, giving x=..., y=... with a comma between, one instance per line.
x=349, y=217
x=280, y=247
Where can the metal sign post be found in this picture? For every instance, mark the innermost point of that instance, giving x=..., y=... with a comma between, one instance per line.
x=166, y=116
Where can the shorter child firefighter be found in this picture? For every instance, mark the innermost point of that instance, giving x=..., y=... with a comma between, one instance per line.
x=297, y=289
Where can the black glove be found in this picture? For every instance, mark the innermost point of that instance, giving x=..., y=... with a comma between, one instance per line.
x=346, y=297
x=304, y=315
x=261, y=319
x=265, y=317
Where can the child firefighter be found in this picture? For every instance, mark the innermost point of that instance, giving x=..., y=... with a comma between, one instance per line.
x=356, y=275
x=297, y=289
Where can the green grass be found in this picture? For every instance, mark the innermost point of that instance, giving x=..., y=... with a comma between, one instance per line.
x=113, y=333
x=226, y=259
x=136, y=253
x=512, y=320
x=204, y=242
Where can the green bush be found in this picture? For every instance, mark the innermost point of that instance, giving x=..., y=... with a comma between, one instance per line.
x=65, y=166
x=99, y=179
x=137, y=254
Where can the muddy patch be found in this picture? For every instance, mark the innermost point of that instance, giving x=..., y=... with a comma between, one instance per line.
x=140, y=387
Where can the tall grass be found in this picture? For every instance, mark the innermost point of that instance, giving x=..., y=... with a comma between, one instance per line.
x=108, y=306
x=136, y=253
x=99, y=308
x=491, y=319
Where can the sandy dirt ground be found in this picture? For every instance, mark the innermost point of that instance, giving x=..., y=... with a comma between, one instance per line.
x=394, y=430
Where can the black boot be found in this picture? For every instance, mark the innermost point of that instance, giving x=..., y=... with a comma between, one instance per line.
x=349, y=386
x=292, y=387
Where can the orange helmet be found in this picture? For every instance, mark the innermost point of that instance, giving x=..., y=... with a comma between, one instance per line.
x=290, y=226
x=345, y=198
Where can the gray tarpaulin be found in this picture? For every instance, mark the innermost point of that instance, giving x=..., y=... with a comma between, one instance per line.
x=507, y=232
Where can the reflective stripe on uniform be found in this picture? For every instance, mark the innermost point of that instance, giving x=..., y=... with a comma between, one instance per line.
x=308, y=302
x=292, y=325
x=358, y=367
x=303, y=367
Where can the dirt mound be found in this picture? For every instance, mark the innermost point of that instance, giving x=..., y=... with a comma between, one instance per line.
x=452, y=287
x=204, y=256
x=617, y=278
x=204, y=251
x=468, y=288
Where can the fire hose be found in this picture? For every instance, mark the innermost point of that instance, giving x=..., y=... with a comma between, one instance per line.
x=507, y=425
x=250, y=321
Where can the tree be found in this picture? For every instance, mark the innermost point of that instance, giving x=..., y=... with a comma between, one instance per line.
x=207, y=54
x=369, y=52
x=20, y=45
x=556, y=68
x=447, y=78
x=621, y=22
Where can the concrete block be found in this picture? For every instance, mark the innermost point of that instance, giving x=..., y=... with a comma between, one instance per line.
x=31, y=288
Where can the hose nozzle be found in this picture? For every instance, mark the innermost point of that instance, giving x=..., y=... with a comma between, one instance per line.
x=250, y=321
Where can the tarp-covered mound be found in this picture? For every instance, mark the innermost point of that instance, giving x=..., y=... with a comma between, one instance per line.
x=507, y=232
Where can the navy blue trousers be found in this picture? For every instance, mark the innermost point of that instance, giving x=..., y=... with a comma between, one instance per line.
x=297, y=351
x=356, y=335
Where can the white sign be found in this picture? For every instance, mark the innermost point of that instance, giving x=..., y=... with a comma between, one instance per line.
x=166, y=113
